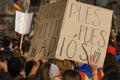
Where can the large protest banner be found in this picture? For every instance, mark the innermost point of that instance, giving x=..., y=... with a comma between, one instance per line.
x=76, y=31
x=85, y=31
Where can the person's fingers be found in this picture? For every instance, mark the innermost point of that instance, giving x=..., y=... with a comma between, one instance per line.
x=91, y=58
x=95, y=59
x=40, y=55
x=36, y=56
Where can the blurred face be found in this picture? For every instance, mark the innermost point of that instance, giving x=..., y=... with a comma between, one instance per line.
x=113, y=33
x=57, y=76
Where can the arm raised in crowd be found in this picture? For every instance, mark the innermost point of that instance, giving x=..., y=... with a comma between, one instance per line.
x=36, y=64
x=93, y=62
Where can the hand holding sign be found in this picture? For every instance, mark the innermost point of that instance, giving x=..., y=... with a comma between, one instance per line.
x=93, y=62
x=38, y=56
x=22, y=23
x=36, y=64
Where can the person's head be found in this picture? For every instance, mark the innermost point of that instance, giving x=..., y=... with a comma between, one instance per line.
x=43, y=73
x=71, y=75
x=6, y=41
x=113, y=33
x=110, y=58
x=14, y=67
x=110, y=62
x=59, y=63
x=50, y=72
x=4, y=55
x=62, y=64
x=4, y=58
x=15, y=44
x=25, y=49
x=54, y=72
x=68, y=64
x=112, y=75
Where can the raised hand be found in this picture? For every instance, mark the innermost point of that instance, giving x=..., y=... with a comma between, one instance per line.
x=93, y=62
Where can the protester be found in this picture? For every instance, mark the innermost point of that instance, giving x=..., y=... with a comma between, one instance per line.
x=7, y=44
x=90, y=70
x=62, y=64
x=25, y=49
x=110, y=61
x=112, y=39
x=23, y=64
x=49, y=71
x=4, y=58
x=71, y=75
x=112, y=75
x=15, y=44
x=14, y=68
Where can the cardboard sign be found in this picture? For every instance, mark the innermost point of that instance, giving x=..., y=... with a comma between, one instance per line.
x=52, y=1
x=47, y=29
x=85, y=30
x=23, y=22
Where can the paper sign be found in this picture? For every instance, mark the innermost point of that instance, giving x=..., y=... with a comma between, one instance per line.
x=23, y=22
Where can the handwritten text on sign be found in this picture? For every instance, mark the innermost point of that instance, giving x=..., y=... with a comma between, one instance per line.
x=48, y=29
x=85, y=31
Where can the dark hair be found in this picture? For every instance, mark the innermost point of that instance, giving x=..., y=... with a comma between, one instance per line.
x=23, y=62
x=4, y=55
x=43, y=72
x=73, y=63
x=110, y=63
x=15, y=42
x=26, y=48
x=14, y=67
x=6, y=41
x=71, y=75
x=28, y=67
x=113, y=75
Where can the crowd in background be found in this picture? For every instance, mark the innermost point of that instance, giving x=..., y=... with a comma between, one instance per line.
x=14, y=64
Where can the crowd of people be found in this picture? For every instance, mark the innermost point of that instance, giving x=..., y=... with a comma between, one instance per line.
x=14, y=64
